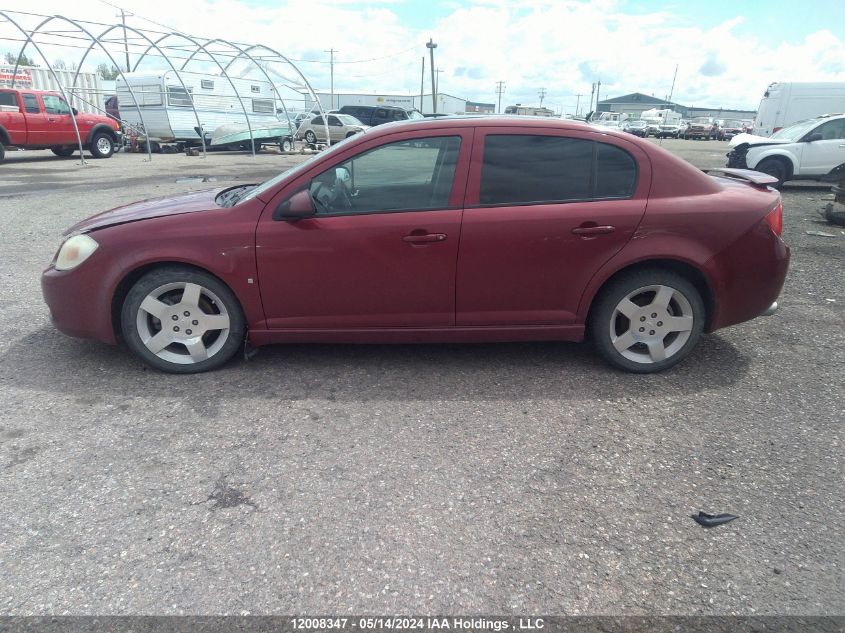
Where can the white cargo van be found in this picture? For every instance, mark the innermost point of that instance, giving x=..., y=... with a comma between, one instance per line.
x=785, y=103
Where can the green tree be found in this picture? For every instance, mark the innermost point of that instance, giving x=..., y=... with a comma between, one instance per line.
x=21, y=59
x=107, y=72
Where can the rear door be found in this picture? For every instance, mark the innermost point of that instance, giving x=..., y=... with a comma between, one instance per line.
x=544, y=210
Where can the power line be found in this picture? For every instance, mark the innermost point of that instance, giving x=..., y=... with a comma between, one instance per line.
x=542, y=94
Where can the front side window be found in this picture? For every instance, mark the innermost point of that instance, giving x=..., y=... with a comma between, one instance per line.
x=317, y=120
x=832, y=130
x=520, y=169
x=178, y=96
x=335, y=122
x=30, y=104
x=408, y=175
x=55, y=105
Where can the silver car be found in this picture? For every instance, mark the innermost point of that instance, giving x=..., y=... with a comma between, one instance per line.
x=341, y=126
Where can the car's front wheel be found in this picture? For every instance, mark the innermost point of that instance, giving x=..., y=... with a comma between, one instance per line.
x=647, y=320
x=102, y=145
x=310, y=138
x=773, y=167
x=182, y=320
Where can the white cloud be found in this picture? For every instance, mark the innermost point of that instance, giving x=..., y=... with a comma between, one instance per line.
x=561, y=45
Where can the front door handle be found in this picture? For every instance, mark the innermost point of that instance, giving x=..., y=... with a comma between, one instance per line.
x=51, y=120
x=424, y=238
x=593, y=230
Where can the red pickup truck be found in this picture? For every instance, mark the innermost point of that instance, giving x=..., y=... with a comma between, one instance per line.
x=41, y=119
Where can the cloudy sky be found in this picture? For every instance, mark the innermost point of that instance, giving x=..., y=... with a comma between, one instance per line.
x=726, y=51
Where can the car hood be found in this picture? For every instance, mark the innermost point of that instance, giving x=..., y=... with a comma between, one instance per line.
x=146, y=209
x=753, y=139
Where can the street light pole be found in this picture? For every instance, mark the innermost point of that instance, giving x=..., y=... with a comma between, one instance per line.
x=331, y=71
x=430, y=45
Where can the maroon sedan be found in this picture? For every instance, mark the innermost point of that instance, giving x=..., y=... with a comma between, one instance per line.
x=469, y=229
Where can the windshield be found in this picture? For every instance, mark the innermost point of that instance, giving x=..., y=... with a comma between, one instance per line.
x=701, y=120
x=796, y=130
x=289, y=173
x=733, y=124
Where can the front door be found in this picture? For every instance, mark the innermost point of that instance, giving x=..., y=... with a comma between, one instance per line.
x=59, y=128
x=543, y=212
x=381, y=250
x=819, y=157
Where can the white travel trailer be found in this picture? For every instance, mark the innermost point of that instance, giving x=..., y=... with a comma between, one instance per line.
x=786, y=103
x=166, y=106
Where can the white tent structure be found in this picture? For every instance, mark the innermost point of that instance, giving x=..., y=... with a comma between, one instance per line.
x=167, y=50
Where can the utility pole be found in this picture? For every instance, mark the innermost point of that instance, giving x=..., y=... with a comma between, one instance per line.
x=592, y=94
x=542, y=94
x=577, y=103
x=125, y=39
x=500, y=88
x=331, y=52
x=430, y=45
x=422, y=83
x=598, y=91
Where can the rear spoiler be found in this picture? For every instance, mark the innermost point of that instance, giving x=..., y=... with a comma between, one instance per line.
x=756, y=178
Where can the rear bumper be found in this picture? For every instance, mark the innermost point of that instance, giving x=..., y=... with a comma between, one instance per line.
x=770, y=310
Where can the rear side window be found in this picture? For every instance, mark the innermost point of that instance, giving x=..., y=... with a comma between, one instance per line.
x=520, y=169
x=524, y=169
x=616, y=172
x=8, y=99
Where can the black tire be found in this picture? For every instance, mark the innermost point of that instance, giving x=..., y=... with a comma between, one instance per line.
x=310, y=137
x=63, y=152
x=686, y=302
x=285, y=145
x=215, y=300
x=102, y=145
x=774, y=167
x=2, y=152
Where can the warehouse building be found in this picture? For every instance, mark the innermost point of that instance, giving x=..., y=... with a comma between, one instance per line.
x=636, y=103
x=447, y=104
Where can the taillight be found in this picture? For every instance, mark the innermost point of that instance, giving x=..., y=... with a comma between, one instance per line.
x=775, y=218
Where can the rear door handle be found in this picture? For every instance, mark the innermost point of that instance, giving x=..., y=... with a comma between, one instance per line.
x=593, y=230
x=424, y=238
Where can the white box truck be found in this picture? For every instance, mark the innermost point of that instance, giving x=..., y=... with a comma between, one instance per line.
x=785, y=103
x=88, y=96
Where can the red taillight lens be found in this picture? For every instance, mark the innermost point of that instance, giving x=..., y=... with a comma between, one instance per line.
x=775, y=218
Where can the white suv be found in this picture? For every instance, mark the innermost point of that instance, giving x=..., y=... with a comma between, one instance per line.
x=808, y=149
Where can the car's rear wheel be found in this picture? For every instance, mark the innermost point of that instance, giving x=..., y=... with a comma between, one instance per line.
x=775, y=168
x=310, y=138
x=64, y=152
x=286, y=144
x=182, y=320
x=647, y=320
x=102, y=145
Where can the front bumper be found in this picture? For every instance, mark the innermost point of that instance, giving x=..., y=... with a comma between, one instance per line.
x=79, y=302
x=736, y=158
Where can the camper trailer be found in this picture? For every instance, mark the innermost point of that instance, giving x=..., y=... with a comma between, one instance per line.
x=786, y=103
x=166, y=106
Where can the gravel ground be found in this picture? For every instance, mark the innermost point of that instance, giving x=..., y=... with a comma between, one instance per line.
x=514, y=479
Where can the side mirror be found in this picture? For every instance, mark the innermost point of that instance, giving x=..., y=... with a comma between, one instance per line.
x=298, y=206
x=814, y=137
x=343, y=177
x=75, y=111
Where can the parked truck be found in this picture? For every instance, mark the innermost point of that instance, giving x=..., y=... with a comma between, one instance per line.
x=786, y=103
x=41, y=119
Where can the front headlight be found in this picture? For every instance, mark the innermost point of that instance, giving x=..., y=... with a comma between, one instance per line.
x=74, y=251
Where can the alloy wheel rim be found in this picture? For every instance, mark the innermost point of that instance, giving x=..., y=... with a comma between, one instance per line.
x=103, y=145
x=183, y=323
x=651, y=324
